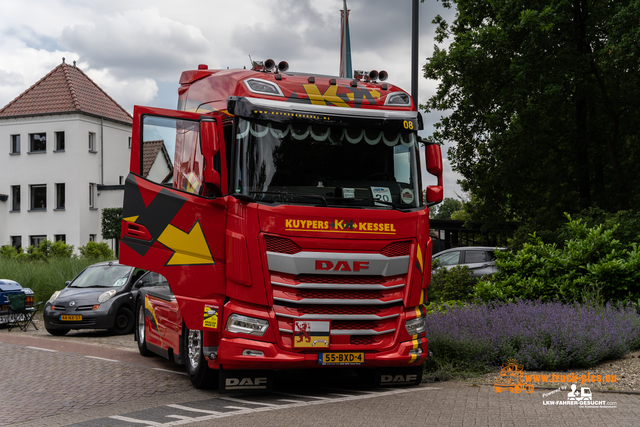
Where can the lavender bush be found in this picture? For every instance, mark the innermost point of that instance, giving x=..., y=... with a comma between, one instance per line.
x=539, y=335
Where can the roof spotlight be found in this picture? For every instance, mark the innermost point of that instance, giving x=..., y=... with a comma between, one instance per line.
x=383, y=75
x=269, y=65
x=283, y=66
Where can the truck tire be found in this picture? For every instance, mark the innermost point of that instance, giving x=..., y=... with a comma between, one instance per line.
x=201, y=376
x=57, y=332
x=123, y=323
x=140, y=332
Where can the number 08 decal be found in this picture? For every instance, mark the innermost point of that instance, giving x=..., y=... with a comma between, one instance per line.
x=408, y=124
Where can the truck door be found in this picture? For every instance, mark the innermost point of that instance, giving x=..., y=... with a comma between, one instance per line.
x=173, y=221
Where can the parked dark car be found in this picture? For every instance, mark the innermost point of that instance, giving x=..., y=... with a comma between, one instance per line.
x=479, y=259
x=102, y=296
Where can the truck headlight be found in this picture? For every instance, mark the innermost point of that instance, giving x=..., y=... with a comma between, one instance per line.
x=416, y=326
x=239, y=324
x=106, y=296
x=54, y=297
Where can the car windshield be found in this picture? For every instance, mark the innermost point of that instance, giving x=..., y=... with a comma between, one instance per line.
x=104, y=276
x=326, y=165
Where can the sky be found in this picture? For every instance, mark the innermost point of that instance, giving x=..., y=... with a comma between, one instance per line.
x=136, y=49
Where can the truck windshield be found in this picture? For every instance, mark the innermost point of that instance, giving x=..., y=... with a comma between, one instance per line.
x=326, y=165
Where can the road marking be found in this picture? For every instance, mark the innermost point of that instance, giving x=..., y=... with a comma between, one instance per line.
x=102, y=358
x=43, y=349
x=291, y=401
x=266, y=407
x=169, y=370
x=247, y=401
x=136, y=421
x=187, y=408
x=302, y=396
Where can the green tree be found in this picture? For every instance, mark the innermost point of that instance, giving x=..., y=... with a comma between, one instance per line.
x=111, y=224
x=445, y=209
x=543, y=99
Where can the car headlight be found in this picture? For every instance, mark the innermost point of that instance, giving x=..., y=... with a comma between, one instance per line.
x=237, y=323
x=106, y=296
x=416, y=326
x=54, y=297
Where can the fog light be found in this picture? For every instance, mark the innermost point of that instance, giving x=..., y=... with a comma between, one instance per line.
x=239, y=324
x=417, y=351
x=416, y=326
x=254, y=353
x=212, y=356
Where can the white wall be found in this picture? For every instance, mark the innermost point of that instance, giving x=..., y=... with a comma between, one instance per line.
x=76, y=167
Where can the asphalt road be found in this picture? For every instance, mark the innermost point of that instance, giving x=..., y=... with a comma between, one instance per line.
x=93, y=379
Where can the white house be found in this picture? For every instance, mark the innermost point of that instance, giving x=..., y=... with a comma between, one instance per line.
x=64, y=156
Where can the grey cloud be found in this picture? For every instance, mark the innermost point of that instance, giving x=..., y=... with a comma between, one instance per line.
x=160, y=49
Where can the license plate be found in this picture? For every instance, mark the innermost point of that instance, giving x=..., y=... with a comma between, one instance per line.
x=71, y=317
x=341, y=358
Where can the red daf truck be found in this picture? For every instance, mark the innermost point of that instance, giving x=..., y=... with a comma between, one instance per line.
x=283, y=214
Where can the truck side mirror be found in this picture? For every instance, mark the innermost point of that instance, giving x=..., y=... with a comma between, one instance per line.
x=435, y=193
x=210, y=148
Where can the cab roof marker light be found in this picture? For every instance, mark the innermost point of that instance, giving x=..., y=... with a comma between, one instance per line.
x=263, y=87
x=398, y=99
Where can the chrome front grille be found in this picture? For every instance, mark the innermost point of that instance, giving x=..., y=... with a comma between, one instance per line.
x=361, y=295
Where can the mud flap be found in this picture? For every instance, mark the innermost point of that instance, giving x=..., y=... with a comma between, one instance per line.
x=234, y=381
x=391, y=377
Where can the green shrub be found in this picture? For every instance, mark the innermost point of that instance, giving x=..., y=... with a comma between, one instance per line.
x=8, y=251
x=591, y=263
x=451, y=284
x=96, y=251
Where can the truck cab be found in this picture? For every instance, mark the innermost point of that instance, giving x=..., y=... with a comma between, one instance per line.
x=285, y=211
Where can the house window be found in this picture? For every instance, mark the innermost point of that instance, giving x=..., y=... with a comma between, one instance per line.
x=59, y=141
x=60, y=238
x=121, y=180
x=129, y=141
x=92, y=196
x=15, y=144
x=60, y=196
x=92, y=237
x=36, y=240
x=16, y=242
x=15, y=198
x=38, y=197
x=92, y=142
x=37, y=142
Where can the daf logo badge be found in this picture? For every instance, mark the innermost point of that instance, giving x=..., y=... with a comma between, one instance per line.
x=72, y=303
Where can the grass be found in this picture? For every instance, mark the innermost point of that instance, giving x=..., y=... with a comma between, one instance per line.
x=43, y=277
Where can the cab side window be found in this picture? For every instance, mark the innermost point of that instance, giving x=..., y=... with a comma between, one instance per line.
x=172, y=153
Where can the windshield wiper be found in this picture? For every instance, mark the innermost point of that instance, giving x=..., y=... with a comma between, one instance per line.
x=289, y=194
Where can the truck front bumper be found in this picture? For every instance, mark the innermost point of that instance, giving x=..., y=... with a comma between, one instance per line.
x=230, y=356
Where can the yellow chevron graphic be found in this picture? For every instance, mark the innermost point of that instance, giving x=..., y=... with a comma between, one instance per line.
x=189, y=248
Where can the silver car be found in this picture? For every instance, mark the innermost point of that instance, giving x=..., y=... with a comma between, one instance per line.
x=479, y=259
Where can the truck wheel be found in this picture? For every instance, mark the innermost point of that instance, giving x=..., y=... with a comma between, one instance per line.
x=141, y=333
x=123, y=323
x=200, y=374
x=57, y=332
